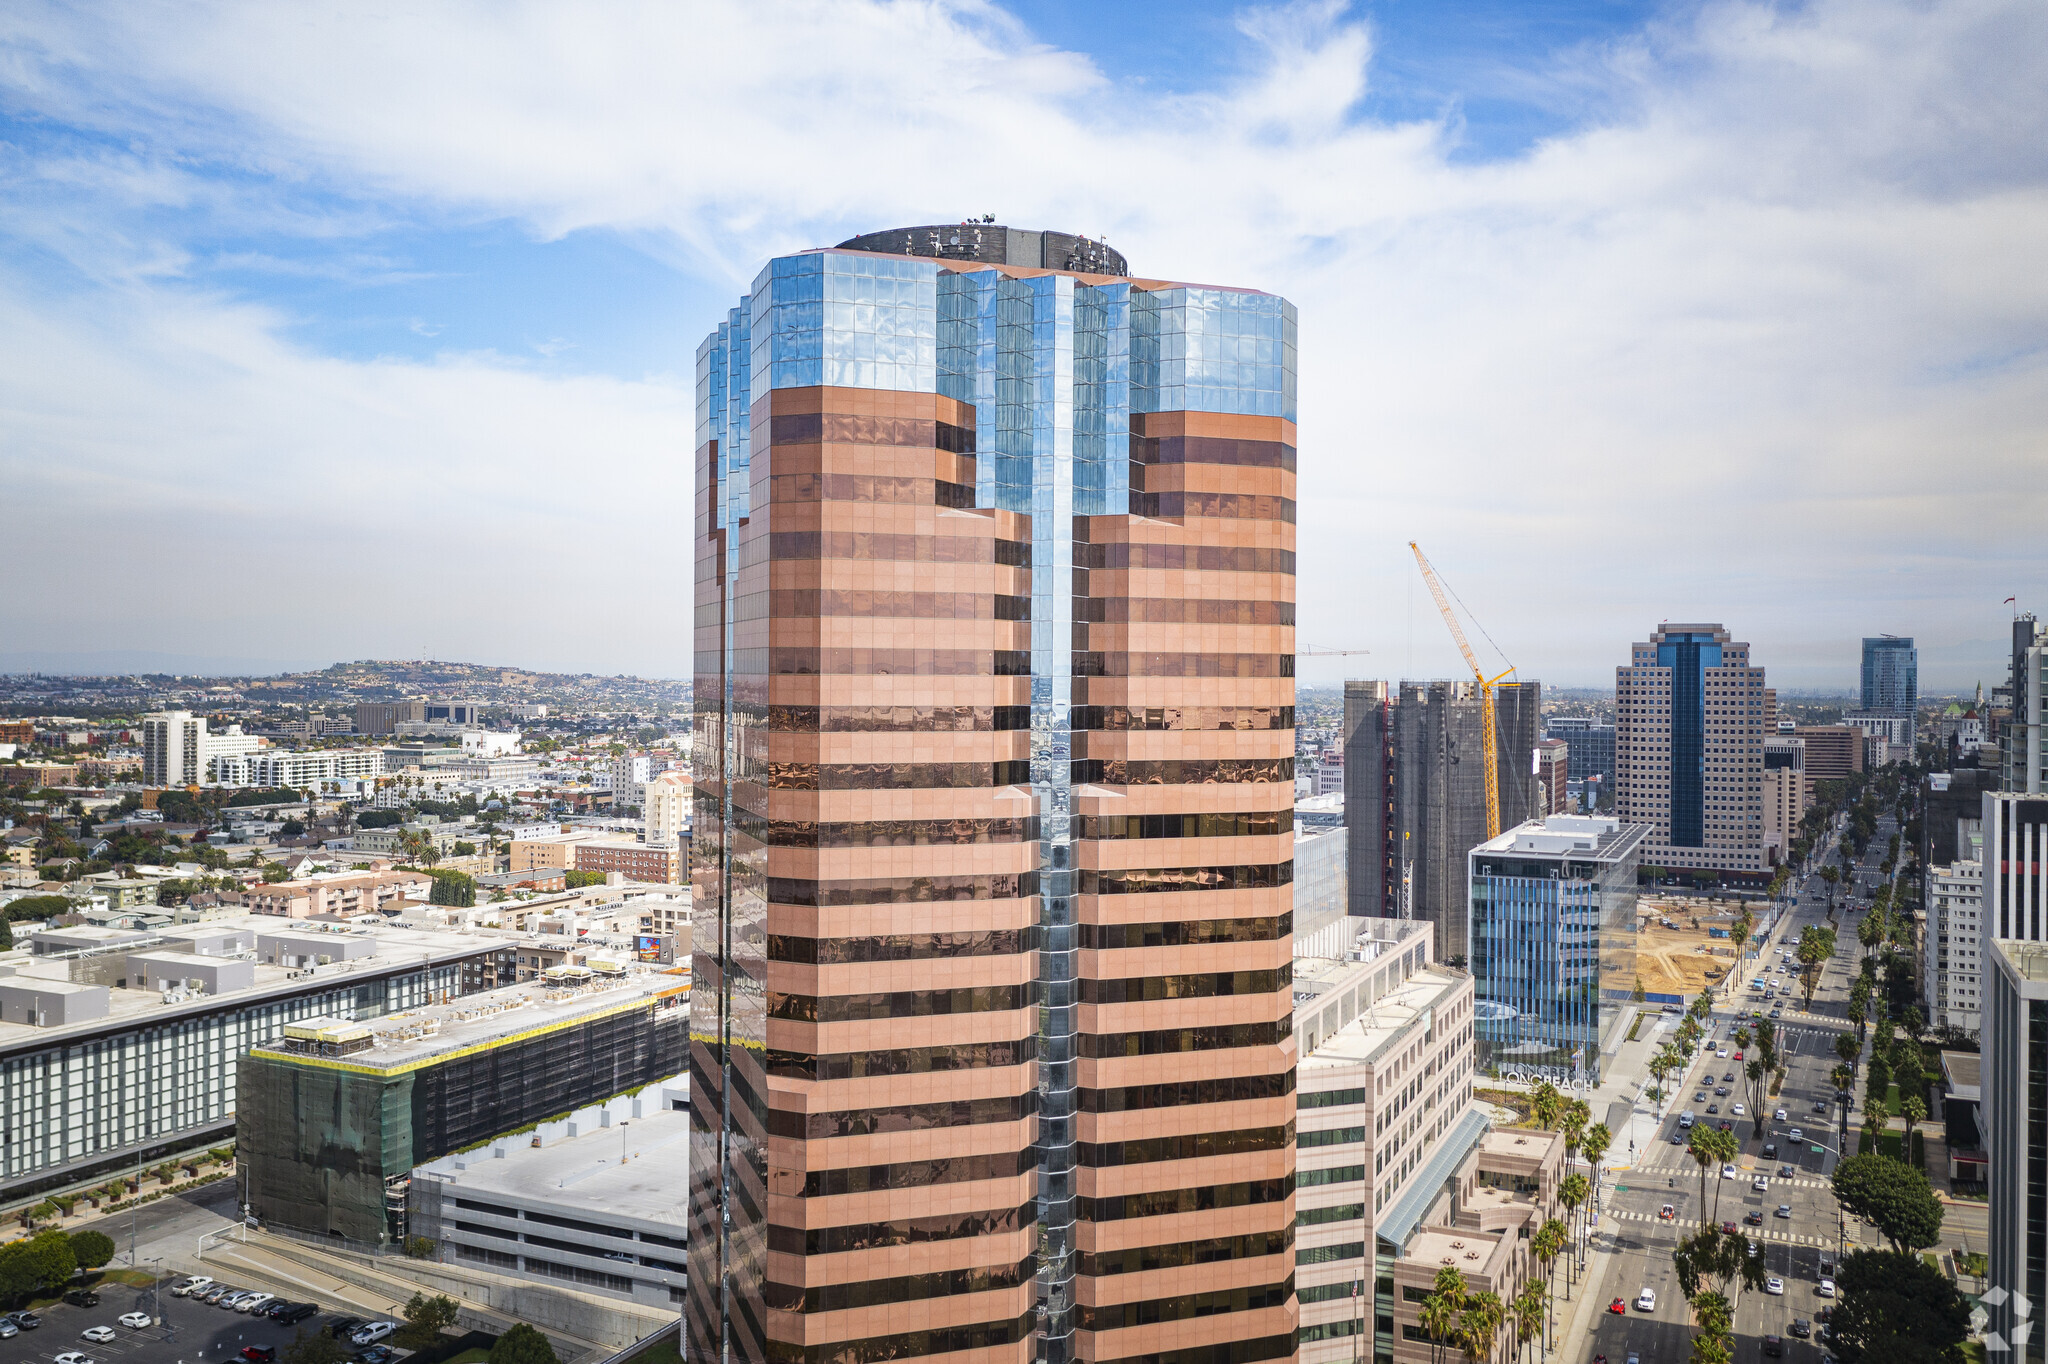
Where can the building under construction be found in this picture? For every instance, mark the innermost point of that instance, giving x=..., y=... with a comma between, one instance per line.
x=335, y=1114
x=1415, y=793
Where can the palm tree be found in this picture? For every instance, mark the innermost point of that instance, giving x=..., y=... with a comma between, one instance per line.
x=1528, y=1310
x=1716, y=1317
x=1832, y=877
x=1572, y=1193
x=1546, y=1245
x=1913, y=1109
x=1479, y=1325
x=1595, y=1144
x=1548, y=1104
x=1439, y=1312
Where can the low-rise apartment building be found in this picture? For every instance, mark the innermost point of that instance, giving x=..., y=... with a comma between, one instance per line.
x=634, y=860
x=339, y=893
x=1397, y=1172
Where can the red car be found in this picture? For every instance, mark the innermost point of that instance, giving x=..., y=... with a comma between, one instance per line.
x=1619, y=1307
x=1738, y=1056
x=259, y=1354
x=1728, y=1228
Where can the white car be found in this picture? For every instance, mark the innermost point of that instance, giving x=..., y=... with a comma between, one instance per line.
x=1795, y=1135
x=255, y=1302
x=98, y=1335
x=1775, y=1286
x=136, y=1320
x=1778, y=1116
x=371, y=1334
x=1825, y=1288
x=1646, y=1301
x=1760, y=1183
x=1722, y=1054
x=191, y=1286
x=74, y=1357
x=1727, y=1172
x=1738, y=1110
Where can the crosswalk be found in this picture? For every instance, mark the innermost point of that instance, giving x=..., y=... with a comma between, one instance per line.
x=1685, y=1227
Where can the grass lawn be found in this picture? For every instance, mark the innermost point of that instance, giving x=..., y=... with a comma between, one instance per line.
x=1973, y=1352
x=473, y=1356
x=662, y=1351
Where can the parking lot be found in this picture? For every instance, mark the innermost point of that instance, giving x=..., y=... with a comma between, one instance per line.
x=189, y=1333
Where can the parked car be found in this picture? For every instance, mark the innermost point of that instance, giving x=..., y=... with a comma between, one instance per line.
x=98, y=1335
x=255, y=1302
x=295, y=1312
x=8, y=1330
x=192, y=1285
x=136, y=1320
x=214, y=1294
x=259, y=1354
x=74, y=1357
x=26, y=1321
x=372, y=1333
x=377, y=1354
x=233, y=1300
x=343, y=1327
x=82, y=1297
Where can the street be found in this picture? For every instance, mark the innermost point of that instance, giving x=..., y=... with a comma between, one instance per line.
x=1633, y=1247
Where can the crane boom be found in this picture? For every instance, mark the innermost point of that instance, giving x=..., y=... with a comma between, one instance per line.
x=1489, y=737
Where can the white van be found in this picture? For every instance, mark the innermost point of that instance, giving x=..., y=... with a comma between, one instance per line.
x=1685, y=1120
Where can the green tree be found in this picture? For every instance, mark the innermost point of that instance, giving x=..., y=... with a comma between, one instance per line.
x=1548, y=1105
x=1439, y=1313
x=576, y=880
x=54, y=1259
x=1546, y=1245
x=425, y=1319
x=1571, y=1192
x=1528, y=1311
x=91, y=1249
x=1893, y=1197
x=1898, y=1308
x=456, y=889
x=1716, y=1318
x=1479, y=1325
x=1848, y=1048
x=20, y=1272
x=1595, y=1144
x=318, y=1348
x=521, y=1344
x=1710, y=1147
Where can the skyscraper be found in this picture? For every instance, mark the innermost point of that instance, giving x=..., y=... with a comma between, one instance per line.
x=1891, y=676
x=991, y=1030
x=1415, y=788
x=1689, y=749
x=2015, y=1089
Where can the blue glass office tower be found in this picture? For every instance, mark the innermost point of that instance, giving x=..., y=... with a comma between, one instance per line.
x=1891, y=676
x=1553, y=932
x=991, y=1049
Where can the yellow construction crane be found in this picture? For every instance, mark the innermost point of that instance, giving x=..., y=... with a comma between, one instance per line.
x=1490, y=739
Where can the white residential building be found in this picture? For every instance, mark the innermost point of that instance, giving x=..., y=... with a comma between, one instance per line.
x=298, y=769
x=1952, y=965
x=178, y=750
x=490, y=743
x=665, y=805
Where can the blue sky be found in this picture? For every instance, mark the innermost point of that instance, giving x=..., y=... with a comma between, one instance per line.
x=408, y=301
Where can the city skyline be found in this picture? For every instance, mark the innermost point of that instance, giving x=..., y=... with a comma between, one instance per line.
x=1563, y=268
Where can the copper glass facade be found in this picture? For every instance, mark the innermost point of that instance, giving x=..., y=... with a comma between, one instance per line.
x=991, y=1039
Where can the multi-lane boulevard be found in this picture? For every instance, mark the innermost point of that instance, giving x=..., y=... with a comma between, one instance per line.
x=1635, y=1238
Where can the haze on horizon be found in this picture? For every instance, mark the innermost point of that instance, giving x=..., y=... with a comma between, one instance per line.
x=340, y=335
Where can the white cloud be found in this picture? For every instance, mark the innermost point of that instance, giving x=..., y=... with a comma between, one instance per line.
x=1764, y=343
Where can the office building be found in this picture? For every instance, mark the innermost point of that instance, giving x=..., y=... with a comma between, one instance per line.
x=1784, y=790
x=127, y=1073
x=1591, y=746
x=334, y=1113
x=615, y=1229
x=994, y=769
x=272, y=768
x=1689, y=751
x=666, y=808
x=1553, y=767
x=1424, y=749
x=1553, y=944
x=2015, y=858
x=2015, y=1110
x=1832, y=753
x=2023, y=751
x=384, y=717
x=1368, y=734
x=1397, y=1165
x=1891, y=676
x=1951, y=965
x=1320, y=893
x=179, y=750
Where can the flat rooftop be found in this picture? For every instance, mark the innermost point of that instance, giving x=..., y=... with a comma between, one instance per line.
x=421, y=1037
x=584, y=1175
x=395, y=947
x=1599, y=838
x=2029, y=959
x=1363, y=1038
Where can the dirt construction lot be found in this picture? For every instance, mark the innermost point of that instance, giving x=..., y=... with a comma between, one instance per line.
x=1681, y=959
